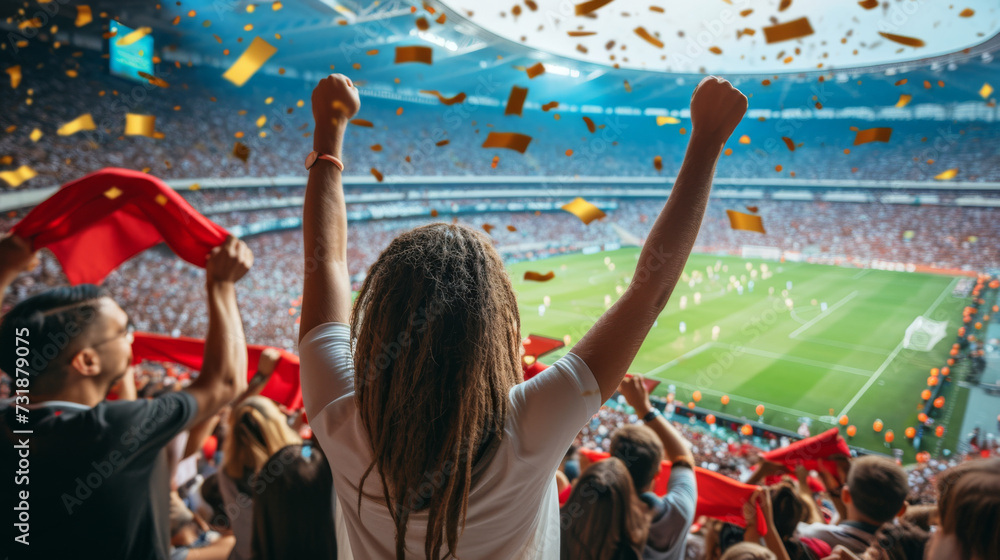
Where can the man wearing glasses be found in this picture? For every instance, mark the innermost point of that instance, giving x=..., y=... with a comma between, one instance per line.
x=97, y=480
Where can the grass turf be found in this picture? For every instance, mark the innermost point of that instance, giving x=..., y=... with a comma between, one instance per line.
x=798, y=361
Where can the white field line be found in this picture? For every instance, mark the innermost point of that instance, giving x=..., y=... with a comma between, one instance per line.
x=753, y=402
x=861, y=274
x=797, y=360
x=823, y=315
x=679, y=359
x=892, y=356
x=838, y=344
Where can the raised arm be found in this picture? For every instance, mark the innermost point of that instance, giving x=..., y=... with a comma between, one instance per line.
x=676, y=447
x=16, y=257
x=326, y=295
x=224, y=369
x=612, y=343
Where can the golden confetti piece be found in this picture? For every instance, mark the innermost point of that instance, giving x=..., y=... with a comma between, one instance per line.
x=195, y=187
x=83, y=16
x=275, y=6
x=177, y=19
x=656, y=9
x=508, y=140
x=968, y=12
x=872, y=135
x=115, y=192
x=83, y=122
x=728, y=151
x=868, y=4
x=748, y=222
x=488, y=227
x=160, y=82
x=745, y=13
x=550, y=105
x=140, y=125
x=949, y=174
x=752, y=209
x=662, y=120
x=788, y=30
x=261, y=121
x=927, y=85
x=641, y=32
x=784, y=5
x=985, y=91
x=458, y=98
x=902, y=39
x=534, y=70
x=531, y=276
x=422, y=24
x=584, y=210
x=362, y=122
x=423, y=55
x=241, y=151
x=496, y=161
x=715, y=50
x=10, y=128
x=904, y=100
x=442, y=143
x=134, y=36
x=900, y=82
x=515, y=102
x=377, y=174
x=15, y=75
x=16, y=177
x=511, y=228
x=587, y=7
x=250, y=61
x=658, y=163
x=590, y=124
x=628, y=87
x=36, y=135
x=376, y=147
x=434, y=213
x=789, y=143
x=442, y=18
x=581, y=33
x=161, y=200
x=744, y=139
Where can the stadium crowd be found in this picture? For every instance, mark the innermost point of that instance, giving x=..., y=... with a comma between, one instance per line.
x=471, y=459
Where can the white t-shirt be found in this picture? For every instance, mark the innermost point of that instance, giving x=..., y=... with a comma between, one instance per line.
x=513, y=510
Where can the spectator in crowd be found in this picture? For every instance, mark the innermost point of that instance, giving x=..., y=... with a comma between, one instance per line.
x=437, y=355
x=257, y=431
x=643, y=448
x=875, y=493
x=603, y=519
x=969, y=510
x=893, y=541
x=748, y=551
x=105, y=473
x=293, y=514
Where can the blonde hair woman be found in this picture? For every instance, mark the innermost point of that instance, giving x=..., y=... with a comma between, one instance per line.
x=257, y=430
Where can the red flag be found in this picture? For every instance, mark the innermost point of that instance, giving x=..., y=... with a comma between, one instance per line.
x=283, y=387
x=719, y=496
x=807, y=451
x=95, y=223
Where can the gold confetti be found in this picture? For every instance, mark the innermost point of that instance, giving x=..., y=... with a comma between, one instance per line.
x=587, y=7
x=949, y=174
x=752, y=209
x=362, y=122
x=276, y=6
x=784, y=5
x=968, y=12
x=590, y=124
x=423, y=55
x=511, y=228
x=458, y=98
x=83, y=16
x=261, y=121
x=658, y=163
x=900, y=82
x=662, y=120
x=628, y=87
x=16, y=177
x=15, y=75
x=584, y=210
x=83, y=122
x=140, y=125
x=508, y=140
x=868, y=4
x=434, y=213
x=581, y=33
x=744, y=139
x=377, y=174
x=241, y=151
x=872, y=135
x=985, y=91
x=422, y=24
x=376, y=147
x=134, y=36
x=902, y=39
x=488, y=227
x=515, y=102
x=195, y=187
x=115, y=192
x=641, y=31
x=904, y=100
x=250, y=61
x=550, y=105
x=442, y=143
x=788, y=30
x=531, y=276
x=534, y=70
x=154, y=80
x=789, y=143
x=747, y=222
x=715, y=50
x=36, y=135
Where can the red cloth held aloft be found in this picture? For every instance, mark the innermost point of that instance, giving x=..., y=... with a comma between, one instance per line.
x=807, y=451
x=95, y=223
x=719, y=496
x=283, y=387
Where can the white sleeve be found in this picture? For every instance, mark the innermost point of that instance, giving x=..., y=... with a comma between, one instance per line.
x=548, y=410
x=326, y=367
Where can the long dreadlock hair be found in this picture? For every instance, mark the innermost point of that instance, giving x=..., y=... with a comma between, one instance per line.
x=437, y=335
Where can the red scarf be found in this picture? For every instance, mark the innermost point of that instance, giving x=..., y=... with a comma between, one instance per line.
x=807, y=451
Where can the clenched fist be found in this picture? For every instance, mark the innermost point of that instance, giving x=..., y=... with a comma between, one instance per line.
x=334, y=102
x=228, y=262
x=716, y=109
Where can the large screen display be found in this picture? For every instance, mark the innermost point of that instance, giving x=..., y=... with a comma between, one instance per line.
x=129, y=59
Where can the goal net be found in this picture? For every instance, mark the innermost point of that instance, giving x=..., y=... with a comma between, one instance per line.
x=923, y=334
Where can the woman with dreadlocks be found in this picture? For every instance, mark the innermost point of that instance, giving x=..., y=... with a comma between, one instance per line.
x=437, y=448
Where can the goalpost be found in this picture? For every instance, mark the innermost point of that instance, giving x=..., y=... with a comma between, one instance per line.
x=923, y=334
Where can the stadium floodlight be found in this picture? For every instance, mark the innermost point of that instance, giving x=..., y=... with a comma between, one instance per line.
x=436, y=39
x=561, y=70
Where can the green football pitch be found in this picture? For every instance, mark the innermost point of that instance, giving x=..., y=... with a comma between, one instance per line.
x=809, y=342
